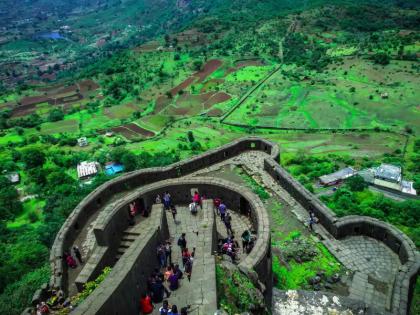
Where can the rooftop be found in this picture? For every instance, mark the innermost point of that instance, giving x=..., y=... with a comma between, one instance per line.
x=86, y=169
x=339, y=175
x=389, y=172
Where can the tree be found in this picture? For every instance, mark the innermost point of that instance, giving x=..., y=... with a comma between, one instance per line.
x=10, y=206
x=381, y=58
x=33, y=157
x=356, y=183
x=197, y=64
x=190, y=136
x=55, y=115
x=129, y=160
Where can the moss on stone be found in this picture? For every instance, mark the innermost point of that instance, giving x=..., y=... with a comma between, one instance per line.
x=236, y=293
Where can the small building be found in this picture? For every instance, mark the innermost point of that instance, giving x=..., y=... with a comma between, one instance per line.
x=13, y=177
x=113, y=168
x=407, y=188
x=388, y=172
x=87, y=170
x=82, y=142
x=109, y=134
x=337, y=177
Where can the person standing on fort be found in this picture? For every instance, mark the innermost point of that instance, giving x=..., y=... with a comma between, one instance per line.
x=222, y=211
x=168, y=252
x=174, y=212
x=167, y=201
x=161, y=256
x=164, y=310
x=77, y=253
x=182, y=242
x=158, y=200
x=185, y=256
x=188, y=268
x=197, y=199
x=228, y=224
x=146, y=306
x=216, y=202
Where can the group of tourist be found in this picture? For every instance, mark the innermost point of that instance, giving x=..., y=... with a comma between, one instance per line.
x=165, y=309
x=229, y=245
x=165, y=279
x=70, y=258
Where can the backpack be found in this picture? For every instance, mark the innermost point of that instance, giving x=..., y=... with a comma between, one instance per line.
x=163, y=311
x=180, y=242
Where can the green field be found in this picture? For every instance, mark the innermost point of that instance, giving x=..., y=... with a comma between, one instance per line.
x=352, y=95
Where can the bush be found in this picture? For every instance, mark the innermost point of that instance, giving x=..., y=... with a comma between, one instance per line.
x=19, y=294
x=356, y=183
x=381, y=58
x=55, y=115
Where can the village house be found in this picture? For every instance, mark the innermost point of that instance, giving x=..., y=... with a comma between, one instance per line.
x=87, y=170
x=82, y=142
x=336, y=177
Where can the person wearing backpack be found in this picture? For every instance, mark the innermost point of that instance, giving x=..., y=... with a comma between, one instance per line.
x=164, y=309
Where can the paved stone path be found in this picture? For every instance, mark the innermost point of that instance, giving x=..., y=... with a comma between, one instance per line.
x=201, y=291
x=240, y=223
x=375, y=266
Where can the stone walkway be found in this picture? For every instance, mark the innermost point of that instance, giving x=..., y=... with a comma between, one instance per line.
x=375, y=266
x=198, y=292
x=240, y=223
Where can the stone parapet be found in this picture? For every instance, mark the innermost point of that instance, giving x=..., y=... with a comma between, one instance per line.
x=97, y=198
x=393, y=238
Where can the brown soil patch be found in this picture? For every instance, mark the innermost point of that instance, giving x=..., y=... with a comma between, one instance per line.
x=208, y=69
x=161, y=102
x=68, y=99
x=191, y=37
x=87, y=86
x=137, y=129
x=33, y=100
x=23, y=110
x=180, y=111
x=216, y=98
x=51, y=89
x=246, y=63
x=127, y=133
x=216, y=112
x=182, y=86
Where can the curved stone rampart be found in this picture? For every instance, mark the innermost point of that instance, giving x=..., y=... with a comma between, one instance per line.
x=338, y=227
x=396, y=240
x=94, y=201
x=120, y=291
x=110, y=227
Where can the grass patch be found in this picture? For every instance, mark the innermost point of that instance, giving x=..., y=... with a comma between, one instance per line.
x=252, y=183
x=234, y=291
x=32, y=214
x=296, y=275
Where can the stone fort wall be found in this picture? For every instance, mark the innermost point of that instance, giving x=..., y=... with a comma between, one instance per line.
x=101, y=195
x=121, y=289
x=338, y=227
x=112, y=223
x=396, y=240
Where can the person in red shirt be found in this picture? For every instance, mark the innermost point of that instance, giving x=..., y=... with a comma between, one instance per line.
x=146, y=306
x=197, y=199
